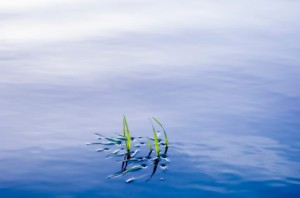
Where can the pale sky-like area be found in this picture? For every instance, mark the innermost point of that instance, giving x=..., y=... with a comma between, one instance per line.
x=157, y=33
x=48, y=21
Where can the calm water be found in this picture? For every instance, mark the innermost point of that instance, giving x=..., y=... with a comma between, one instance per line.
x=223, y=78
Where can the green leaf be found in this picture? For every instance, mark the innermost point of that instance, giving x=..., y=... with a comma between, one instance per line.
x=126, y=133
x=149, y=144
x=165, y=134
x=156, y=143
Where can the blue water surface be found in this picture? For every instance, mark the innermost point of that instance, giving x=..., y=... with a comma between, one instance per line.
x=223, y=78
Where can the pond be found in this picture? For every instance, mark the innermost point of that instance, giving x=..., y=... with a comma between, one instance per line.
x=222, y=78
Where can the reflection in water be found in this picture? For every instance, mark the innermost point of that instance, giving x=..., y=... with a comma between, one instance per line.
x=251, y=158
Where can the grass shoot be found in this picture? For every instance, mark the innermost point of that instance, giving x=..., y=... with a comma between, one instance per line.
x=150, y=147
x=149, y=144
x=156, y=143
x=126, y=134
x=165, y=133
x=139, y=162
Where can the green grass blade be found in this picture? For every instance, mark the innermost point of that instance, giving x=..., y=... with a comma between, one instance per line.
x=165, y=134
x=157, y=149
x=149, y=144
x=124, y=128
x=126, y=133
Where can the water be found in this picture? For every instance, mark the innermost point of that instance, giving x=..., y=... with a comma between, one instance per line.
x=222, y=77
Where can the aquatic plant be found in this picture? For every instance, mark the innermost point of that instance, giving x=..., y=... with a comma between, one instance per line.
x=150, y=147
x=126, y=134
x=134, y=160
x=149, y=144
x=165, y=134
x=156, y=143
